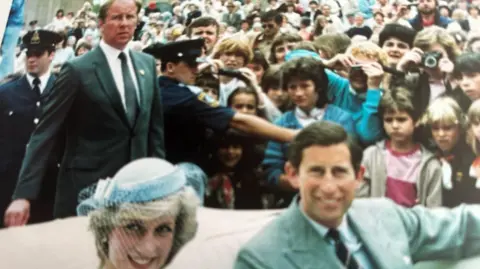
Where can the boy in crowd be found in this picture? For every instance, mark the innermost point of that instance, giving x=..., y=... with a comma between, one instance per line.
x=209, y=83
x=271, y=85
x=467, y=71
x=399, y=167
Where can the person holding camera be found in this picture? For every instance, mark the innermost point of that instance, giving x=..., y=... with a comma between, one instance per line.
x=429, y=66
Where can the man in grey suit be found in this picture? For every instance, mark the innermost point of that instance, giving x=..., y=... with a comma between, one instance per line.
x=232, y=18
x=323, y=228
x=109, y=105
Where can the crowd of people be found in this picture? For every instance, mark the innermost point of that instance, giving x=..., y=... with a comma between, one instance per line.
x=222, y=87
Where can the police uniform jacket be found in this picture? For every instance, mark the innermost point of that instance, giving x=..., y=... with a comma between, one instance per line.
x=188, y=114
x=20, y=110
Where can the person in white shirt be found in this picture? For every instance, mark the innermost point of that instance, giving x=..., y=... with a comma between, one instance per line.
x=332, y=19
x=293, y=17
x=473, y=18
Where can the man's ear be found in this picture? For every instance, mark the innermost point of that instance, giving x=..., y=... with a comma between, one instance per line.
x=360, y=174
x=291, y=174
x=170, y=68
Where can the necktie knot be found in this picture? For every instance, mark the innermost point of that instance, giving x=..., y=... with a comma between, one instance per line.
x=36, y=81
x=334, y=234
x=122, y=56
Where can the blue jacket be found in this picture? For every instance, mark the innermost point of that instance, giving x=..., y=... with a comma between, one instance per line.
x=17, y=13
x=368, y=125
x=365, y=6
x=441, y=21
x=276, y=153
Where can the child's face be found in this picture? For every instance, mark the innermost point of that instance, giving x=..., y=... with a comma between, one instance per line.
x=230, y=155
x=398, y=125
x=282, y=50
x=232, y=60
x=302, y=93
x=244, y=103
x=470, y=84
x=278, y=96
x=258, y=70
x=211, y=92
x=445, y=135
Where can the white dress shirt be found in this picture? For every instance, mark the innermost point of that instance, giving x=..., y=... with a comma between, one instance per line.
x=115, y=65
x=348, y=237
x=43, y=81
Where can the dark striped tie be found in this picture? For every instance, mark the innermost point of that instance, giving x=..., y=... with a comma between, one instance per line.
x=131, y=102
x=342, y=252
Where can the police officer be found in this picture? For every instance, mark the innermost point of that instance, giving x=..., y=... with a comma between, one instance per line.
x=188, y=112
x=20, y=109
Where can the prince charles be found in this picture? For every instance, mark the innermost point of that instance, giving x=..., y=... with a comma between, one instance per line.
x=323, y=228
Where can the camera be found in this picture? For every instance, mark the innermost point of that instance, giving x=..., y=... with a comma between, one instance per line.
x=357, y=71
x=430, y=59
x=231, y=73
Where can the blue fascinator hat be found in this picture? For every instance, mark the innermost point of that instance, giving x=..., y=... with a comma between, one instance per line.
x=141, y=181
x=301, y=53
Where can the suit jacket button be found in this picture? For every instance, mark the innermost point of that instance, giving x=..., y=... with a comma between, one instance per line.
x=35, y=121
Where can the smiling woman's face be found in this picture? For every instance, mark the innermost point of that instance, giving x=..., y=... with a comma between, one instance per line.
x=137, y=244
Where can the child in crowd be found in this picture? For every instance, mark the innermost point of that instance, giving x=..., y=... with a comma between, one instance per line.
x=245, y=100
x=271, y=85
x=360, y=94
x=399, y=167
x=305, y=81
x=209, y=83
x=234, y=179
x=258, y=65
x=447, y=124
x=467, y=72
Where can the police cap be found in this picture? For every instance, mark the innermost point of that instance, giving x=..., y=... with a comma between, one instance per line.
x=186, y=50
x=41, y=40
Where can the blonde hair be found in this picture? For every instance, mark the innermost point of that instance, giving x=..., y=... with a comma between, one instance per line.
x=372, y=52
x=332, y=44
x=444, y=110
x=182, y=206
x=235, y=45
x=473, y=116
x=427, y=37
x=369, y=50
x=459, y=14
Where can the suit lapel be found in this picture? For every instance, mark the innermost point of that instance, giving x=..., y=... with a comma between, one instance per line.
x=49, y=86
x=140, y=69
x=107, y=83
x=306, y=248
x=380, y=245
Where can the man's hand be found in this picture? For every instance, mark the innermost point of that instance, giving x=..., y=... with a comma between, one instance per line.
x=375, y=73
x=18, y=213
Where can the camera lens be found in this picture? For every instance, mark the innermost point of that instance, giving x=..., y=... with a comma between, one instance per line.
x=430, y=62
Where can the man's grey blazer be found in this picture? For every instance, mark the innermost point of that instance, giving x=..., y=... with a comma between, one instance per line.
x=394, y=237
